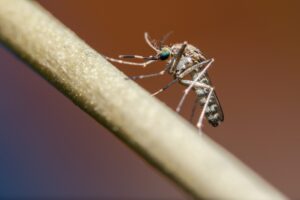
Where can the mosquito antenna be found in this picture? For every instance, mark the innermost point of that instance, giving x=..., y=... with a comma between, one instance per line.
x=150, y=42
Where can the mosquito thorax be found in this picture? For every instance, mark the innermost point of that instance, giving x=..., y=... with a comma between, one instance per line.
x=190, y=51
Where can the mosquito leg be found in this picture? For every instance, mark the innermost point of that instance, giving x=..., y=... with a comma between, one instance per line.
x=192, y=68
x=194, y=110
x=176, y=60
x=148, y=75
x=203, y=85
x=199, y=123
x=165, y=87
x=139, y=57
x=143, y=64
x=187, y=90
x=196, y=85
x=146, y=35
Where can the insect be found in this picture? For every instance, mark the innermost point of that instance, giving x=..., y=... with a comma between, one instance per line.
x=183, y=60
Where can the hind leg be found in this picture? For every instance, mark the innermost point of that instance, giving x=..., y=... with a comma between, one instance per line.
x=193, y=83
x=200, y=85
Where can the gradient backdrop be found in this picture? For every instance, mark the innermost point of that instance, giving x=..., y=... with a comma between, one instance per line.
x=50, y=148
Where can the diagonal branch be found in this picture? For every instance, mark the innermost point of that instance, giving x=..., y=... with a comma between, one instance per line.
x=195, y=163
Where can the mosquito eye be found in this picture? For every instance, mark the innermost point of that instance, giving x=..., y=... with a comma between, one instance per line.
x=164, y=55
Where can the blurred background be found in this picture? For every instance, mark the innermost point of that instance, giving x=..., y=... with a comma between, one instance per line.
x=50, y=149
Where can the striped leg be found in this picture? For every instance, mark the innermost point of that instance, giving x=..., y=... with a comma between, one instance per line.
x=193, y=110
x=143, y=64
x=197, y=85
x=165, y=87
x=148, y=75
x=187, y=90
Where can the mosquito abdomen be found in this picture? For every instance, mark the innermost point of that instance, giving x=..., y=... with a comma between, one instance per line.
x=213, y=111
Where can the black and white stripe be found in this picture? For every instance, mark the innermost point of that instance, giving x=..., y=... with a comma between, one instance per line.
x=213, y=111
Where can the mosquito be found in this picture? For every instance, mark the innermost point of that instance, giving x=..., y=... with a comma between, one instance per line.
x=183, y=60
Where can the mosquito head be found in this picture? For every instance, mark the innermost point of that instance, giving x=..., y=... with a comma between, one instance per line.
x=164, y=53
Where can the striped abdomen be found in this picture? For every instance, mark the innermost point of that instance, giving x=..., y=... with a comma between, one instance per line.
x=213, y=112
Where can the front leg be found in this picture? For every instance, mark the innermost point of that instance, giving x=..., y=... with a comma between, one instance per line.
x=150, y=75
x=177, y=58
x=143, y=64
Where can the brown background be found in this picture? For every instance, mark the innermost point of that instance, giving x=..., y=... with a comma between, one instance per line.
x=64, y=153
